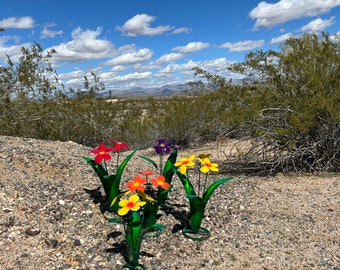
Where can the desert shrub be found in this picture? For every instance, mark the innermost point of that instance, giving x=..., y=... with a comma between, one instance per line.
x=292, y=109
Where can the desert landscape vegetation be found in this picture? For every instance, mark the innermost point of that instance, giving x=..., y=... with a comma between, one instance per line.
x=278, y=134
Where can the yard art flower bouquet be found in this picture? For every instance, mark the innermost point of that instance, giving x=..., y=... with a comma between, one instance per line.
x=138, y=205
x=197, y=204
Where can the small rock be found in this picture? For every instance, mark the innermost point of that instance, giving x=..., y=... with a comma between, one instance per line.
x=51, y=243
x=32, y=231
x=76, y=242
x=13, y=235
x=58, y=217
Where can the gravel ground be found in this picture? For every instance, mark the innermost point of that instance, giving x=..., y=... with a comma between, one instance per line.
x=50, y=217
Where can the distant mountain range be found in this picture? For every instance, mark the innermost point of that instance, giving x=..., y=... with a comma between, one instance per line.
x=165, y=90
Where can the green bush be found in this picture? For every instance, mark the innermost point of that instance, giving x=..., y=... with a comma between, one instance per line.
x=291, y=110
x=293, y=107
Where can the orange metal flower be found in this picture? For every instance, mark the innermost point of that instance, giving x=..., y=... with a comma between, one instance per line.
x=160, y=182
x=147, y=172
x=102, y=153
x=136, y=184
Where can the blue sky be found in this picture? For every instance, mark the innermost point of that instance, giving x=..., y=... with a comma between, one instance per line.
x=150, y=43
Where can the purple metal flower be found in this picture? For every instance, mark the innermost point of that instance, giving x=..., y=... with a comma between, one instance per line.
x=163, y=147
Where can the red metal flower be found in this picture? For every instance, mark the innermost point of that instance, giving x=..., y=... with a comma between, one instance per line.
x=119, y=145
x=102, y=153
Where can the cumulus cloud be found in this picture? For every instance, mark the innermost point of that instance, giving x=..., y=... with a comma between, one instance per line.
x=182, y=30
x=141, y=55
x=192, y=47
x=139, y=25
x=134, y=76
x=17, y=22
x=170, y=57
x=14, y=51
x=48, y=33
x=242, y=45
x=281, y=38
x=271, y=14
x=318, y=25
x=84, y=45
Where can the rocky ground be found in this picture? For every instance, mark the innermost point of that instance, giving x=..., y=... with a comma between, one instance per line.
x=50, y=217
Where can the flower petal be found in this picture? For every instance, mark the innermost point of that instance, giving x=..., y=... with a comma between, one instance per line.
x=214, y=169
x=191, y=158
x=183, y=169
x=165, y=185
x=204, y=169
x=123, y=211
x=123, y=203
x=178, y=163
x=134, y=198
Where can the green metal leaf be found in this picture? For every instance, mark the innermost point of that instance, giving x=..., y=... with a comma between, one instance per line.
x=98, y=168
x=150, y=161
x=157, y=227
x=116, y=178
x=190, y=196
x=102, y=174
x=207, y=194
x=188, y=187
x=114, y=220
x=168, y=173
x=196, y=212
x=122, y=166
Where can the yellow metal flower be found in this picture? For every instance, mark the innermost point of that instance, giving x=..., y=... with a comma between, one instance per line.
x=184, y=163
x=208, y=166
x=131, y=204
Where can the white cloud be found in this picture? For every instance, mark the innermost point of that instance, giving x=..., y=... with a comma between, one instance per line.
x=170, y=57
x=14, y=51
x=216, y=65
x=139, y=25
x=127, y=48
x=17, y=22
x=192, y=47
x=242, y=45
x=182, y=30
x=84, y=46
x=318, y=25
x=48, y=33
x=134, y=76
x=167, y=70
x=142, y=55
x=271, y=14
x=281, y=38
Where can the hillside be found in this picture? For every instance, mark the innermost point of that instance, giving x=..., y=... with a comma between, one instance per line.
x=50, y=217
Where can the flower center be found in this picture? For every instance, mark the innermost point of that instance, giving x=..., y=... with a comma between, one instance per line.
x=130, y=204
x=101, y=152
